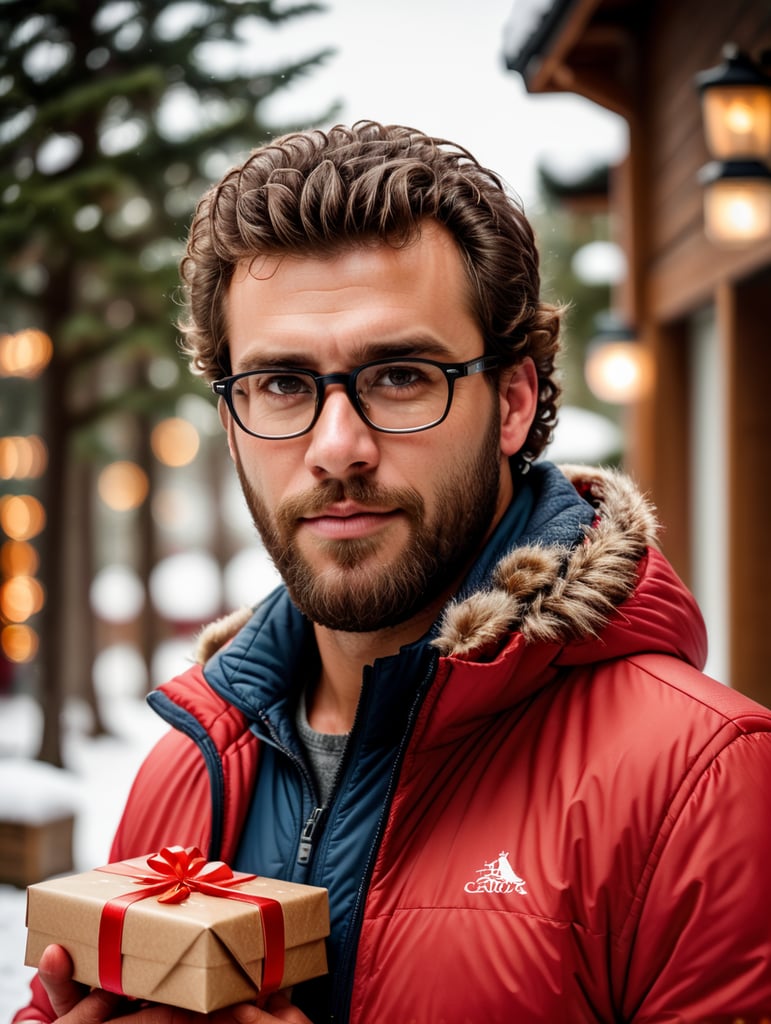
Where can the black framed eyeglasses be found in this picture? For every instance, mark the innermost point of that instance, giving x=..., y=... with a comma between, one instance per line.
x=395, y=396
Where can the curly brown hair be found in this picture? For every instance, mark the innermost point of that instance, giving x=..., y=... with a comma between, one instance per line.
x=316, y=193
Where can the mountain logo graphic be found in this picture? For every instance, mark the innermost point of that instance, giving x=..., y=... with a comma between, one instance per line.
x=497, y=876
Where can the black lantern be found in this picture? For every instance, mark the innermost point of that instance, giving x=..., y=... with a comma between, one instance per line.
x=737, y=201
x=736, y=108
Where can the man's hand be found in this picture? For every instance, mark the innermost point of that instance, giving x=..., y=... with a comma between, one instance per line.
x=75, y=1004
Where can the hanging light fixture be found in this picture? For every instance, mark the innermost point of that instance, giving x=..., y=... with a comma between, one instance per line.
x=736, y=107
x=736, y=110
x=737, y=201
x=618, y=368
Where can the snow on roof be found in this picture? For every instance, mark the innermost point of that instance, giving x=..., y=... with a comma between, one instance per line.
x=526, y=29
x=522, y=22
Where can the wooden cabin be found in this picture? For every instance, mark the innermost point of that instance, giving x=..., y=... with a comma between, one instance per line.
x=700, y=442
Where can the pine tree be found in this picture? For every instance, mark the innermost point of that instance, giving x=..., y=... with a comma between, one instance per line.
x=114, y=117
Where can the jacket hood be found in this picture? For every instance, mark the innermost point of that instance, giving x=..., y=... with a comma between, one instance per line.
x=610, y=595
x=614, y=594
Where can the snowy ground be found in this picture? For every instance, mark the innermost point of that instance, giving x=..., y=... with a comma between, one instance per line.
x=95, y=781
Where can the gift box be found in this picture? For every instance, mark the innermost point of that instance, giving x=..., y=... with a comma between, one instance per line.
x=172, y=928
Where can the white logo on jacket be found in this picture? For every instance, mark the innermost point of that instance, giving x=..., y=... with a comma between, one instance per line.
x=497, y=876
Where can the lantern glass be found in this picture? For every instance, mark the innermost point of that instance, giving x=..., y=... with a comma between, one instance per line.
x=738, y=210
x=619, y=372
x=737, y=121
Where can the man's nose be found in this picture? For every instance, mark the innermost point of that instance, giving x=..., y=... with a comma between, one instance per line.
x=341, y=443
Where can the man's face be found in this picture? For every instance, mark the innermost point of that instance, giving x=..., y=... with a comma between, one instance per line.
x=366, y=528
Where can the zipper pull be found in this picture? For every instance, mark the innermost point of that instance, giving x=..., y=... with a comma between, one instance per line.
x=308, y=834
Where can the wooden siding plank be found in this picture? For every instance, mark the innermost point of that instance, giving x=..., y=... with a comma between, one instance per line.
x=685, y=277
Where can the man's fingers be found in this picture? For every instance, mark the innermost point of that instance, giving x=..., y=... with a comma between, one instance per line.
x=55, y=970
x=280, y=1007
x=277, y=1008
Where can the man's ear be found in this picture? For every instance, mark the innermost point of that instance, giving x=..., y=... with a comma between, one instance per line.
x=227, y=422
x=518, y=394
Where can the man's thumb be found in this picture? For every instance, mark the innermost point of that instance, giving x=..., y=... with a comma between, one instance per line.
x=55, y=971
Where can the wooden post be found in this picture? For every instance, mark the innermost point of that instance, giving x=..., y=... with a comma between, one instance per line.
x=742, y=312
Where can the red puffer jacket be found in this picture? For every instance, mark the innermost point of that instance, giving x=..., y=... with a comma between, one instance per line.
x=581, y=826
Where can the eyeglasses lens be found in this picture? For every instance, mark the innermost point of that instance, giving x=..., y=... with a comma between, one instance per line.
x=398, y=395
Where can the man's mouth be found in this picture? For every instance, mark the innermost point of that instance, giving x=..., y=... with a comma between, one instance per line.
x=348, y=521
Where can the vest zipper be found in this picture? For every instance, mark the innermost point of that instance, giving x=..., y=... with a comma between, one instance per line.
x=308, y=835
x=341, y=1005
x=310, y=830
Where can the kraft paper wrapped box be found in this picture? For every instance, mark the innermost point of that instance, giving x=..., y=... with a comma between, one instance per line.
x=170, y=928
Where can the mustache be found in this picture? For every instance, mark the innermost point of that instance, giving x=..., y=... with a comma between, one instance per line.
x=357, y=489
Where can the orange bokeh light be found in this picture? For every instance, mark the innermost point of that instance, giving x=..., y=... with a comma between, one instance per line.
x=18, y=558
x=25, y=354
x=175, y=442
x=22, y=457
x=20, y=598
x=19, y=643
x=123, y=486
x=21, y=516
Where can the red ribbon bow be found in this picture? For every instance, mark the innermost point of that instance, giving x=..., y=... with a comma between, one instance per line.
x=174, y=872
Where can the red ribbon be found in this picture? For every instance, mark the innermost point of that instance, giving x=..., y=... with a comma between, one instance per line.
x=174, y=872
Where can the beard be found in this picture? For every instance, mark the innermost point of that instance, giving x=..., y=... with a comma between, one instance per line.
x=360, y=593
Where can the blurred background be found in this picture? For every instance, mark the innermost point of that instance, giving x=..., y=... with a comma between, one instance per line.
x=637, y=134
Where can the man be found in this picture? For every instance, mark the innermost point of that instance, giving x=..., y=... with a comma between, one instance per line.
x=475, y=712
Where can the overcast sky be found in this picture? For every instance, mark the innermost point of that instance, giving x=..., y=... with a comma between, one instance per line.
x=438, y=65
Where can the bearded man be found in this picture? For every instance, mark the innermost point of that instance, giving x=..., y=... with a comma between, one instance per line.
x=474, y=710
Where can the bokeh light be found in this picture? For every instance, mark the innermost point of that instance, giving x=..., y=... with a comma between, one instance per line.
x=21, y=516
x=119, y=671
x=123, y=486
x=619, y=372
x=19, y=643
x=116, y=594
x=22, y=457
x=21, y=597
x=18, y=558
x=25, y=354
x=175, y=442
x=187, y=587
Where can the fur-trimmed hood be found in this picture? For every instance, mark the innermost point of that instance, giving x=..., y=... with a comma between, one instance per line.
x=559, y=594
x=554, y=594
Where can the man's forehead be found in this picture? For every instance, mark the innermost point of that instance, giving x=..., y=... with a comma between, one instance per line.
x=429, y=232
x=366, y=302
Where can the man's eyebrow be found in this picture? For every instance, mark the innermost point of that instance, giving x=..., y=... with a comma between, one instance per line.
x=403, y=348
x=261, y=361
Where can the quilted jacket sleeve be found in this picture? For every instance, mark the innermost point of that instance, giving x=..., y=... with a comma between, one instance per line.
x=707, y=956
x=168, y=803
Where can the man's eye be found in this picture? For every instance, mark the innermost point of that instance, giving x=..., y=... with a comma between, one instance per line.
x=287, y=384
x=398, y=376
